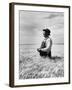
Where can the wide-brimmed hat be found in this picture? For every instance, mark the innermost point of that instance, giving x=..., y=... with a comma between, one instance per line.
x=47, y=31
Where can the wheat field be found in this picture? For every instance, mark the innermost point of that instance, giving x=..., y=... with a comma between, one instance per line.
x=32, y=66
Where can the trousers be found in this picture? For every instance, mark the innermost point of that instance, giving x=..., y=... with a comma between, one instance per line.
x=45, y=54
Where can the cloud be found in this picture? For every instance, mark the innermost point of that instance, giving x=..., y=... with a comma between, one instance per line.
x=53, y=15
x=50, y=16
x=32, y=23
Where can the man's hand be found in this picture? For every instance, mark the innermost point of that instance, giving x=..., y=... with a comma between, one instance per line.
x=38, y=49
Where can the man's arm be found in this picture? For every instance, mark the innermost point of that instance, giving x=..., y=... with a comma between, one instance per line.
x=39, y=49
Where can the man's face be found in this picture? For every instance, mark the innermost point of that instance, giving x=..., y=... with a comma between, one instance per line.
x=44, y=33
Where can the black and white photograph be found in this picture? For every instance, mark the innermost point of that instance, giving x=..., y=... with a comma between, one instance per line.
x=41, y=44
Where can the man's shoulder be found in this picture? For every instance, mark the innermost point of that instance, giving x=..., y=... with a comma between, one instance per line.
x=49, y=39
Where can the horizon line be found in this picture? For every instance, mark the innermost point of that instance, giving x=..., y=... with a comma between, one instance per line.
x=37, y=43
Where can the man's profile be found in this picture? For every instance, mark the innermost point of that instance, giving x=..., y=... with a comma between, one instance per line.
x=45, y=48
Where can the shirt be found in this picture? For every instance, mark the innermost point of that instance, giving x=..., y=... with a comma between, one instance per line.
x=46, y=45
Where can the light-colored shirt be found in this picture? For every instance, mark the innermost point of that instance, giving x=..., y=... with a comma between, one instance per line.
x=48, y=44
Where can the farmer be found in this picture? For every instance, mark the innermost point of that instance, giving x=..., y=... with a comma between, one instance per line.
x=45, y=49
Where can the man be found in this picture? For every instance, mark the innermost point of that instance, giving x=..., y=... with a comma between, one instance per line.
x=45, y=49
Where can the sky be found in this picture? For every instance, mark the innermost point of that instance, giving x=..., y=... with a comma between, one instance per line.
x=32, y=24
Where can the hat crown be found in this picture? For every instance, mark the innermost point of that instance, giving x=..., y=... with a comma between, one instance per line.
x=47, y=30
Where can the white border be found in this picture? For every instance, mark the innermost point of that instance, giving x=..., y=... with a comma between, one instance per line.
x=16, y=45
